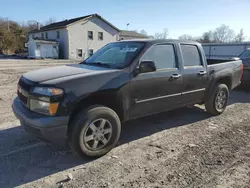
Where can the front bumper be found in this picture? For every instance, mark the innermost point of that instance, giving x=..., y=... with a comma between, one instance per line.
x=49, y=128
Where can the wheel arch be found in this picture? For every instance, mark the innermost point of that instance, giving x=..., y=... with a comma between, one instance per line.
x=109, y=99
x=227, y=80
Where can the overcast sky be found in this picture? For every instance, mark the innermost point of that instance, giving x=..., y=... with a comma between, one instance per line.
x=179, y=16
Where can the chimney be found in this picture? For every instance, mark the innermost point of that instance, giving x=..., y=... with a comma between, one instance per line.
x=38, y=26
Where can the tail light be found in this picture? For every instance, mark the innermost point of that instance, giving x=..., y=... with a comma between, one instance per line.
x=241, y=71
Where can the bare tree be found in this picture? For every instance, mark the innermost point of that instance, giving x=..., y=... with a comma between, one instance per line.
x=186, y=37
x=50, y=21
x=32, y=25
x=143, y=32
x=161, y=35
x=240, y=36
x=207, y=37
x=223, y=34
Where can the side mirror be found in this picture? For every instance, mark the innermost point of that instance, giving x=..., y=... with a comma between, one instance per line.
x=147, y=66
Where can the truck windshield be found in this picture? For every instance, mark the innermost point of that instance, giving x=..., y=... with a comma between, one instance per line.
x=245, y=54
x=116, y=55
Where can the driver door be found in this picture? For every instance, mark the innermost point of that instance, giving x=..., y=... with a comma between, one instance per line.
x=160, y=90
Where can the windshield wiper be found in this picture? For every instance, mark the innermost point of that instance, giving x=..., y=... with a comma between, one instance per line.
x=99, y=64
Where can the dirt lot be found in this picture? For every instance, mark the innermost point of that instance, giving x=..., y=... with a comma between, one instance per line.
x=182, y=148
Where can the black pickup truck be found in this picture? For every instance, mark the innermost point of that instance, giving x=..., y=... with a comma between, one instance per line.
x=85, y=103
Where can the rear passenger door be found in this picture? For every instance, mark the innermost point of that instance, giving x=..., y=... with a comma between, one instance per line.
x=194, y=74
x=160, y=90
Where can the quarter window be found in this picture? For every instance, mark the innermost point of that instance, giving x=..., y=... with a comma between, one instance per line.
x=90, y=35
x=191, y=55
x=162, y=55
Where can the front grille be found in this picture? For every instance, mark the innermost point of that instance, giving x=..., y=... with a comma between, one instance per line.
x=23, y=91
x=23, y=96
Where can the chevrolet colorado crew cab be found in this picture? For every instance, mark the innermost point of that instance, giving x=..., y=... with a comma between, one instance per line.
x=85, y=103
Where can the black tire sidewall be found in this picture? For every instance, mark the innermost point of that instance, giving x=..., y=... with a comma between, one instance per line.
x=83, y=121
x=219, y=88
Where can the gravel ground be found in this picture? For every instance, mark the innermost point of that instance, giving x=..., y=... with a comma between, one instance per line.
x=183, y=148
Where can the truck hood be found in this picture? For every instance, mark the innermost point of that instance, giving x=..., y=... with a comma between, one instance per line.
x=47, y=74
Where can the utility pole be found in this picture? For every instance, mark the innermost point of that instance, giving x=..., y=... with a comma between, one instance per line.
x=8, y=25
x=127, y=25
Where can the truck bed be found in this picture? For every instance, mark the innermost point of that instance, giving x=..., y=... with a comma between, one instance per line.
x=217, y=61
x=218, y=68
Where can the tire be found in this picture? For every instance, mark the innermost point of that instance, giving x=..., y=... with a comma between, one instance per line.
x=82, y=125
x=211, y=103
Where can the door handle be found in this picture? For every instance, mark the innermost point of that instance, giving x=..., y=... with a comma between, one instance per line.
x=201, y=73
x=175, y=76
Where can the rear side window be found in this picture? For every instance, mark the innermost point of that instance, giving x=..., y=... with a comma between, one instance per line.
x=191, y=55
x=162, y=55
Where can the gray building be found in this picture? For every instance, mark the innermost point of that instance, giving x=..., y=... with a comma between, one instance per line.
x=78, y=38
x=128, y=35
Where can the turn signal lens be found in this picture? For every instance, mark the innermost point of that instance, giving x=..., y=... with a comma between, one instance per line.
x=53, y=108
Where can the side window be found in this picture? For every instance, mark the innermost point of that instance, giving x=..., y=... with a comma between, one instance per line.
x=90, y=35
x=79, y=52
x=100, y=35
x=91, y=52
x=58, y=34
x=162, y=55
x=191, y=55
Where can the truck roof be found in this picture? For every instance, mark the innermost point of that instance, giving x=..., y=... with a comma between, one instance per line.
x=155, y=41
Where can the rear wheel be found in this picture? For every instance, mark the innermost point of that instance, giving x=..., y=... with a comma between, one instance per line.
x=217, y=102
x=94, y=131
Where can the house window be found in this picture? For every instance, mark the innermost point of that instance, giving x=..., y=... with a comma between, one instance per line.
x=46, y=35
x=58, y=34
x=38, y=47
x=42, y=35
x=79, y=52
x=90, y=35
x=100, y=35
x=91, y=51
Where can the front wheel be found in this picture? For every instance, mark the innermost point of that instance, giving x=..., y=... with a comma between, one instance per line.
x=217, y=102
x=94, y=131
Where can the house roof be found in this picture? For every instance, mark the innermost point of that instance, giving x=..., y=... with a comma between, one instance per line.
x=45, y=41
x=133, y=34
x=65, y=23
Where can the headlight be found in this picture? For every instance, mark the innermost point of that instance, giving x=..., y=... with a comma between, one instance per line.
x=47, y=91
x=42, y=103
x=43, y=107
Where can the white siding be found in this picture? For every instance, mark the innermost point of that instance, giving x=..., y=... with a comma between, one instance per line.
x=78, y=36
x=31, y=48
x=48, y=51
x=63, y=40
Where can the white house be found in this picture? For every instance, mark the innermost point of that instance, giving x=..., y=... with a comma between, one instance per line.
x=43, y=48
x=128, y=35
x=78, y=38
